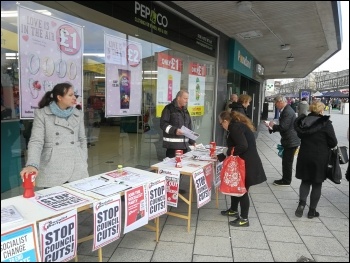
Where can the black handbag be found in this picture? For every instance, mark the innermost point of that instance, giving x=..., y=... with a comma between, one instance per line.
x=343, y=154
x=333, y=167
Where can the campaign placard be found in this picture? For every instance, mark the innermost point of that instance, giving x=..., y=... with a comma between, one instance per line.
x=172, y=178
x=203, y=192
x=107, y=221
x=136, y=210
x=58, y=237
x=209, y=173
x=20, y=245
x=157, y=204
x=59, y=201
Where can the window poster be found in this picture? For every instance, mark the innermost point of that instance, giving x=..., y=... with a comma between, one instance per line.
x=59, y=237
x=51, y=52
x=136, y=210
x=196, y=89
x=20, y=244
x=169, y=80
x=107, y=221
x=123, y=76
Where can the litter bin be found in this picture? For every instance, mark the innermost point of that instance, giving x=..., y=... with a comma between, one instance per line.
x=265, y=112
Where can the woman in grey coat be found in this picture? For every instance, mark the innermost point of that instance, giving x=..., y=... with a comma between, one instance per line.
x=57, y=149
x=303, y=107
x=317, y=137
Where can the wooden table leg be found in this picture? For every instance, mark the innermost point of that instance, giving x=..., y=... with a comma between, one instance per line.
x=100, y=254
x=189, y=205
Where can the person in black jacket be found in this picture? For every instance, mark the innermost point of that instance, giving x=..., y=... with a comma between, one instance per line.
x=242, y=104
x=174, y=116
x=240, y=136
x=289, y=138
x=317, y=137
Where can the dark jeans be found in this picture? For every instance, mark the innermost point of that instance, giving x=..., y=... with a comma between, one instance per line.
x=287, y=164
x=243, y=201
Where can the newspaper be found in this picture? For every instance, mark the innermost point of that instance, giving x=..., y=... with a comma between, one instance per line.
x=189, y=134
x=9, y=214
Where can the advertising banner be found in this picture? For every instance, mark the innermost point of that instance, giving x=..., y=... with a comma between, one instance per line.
x=123, y=76
x=196, y=89
x=51, y=52
x=169, y=80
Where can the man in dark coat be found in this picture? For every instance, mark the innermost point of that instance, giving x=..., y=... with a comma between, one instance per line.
x=317, y=137
x=289, y=138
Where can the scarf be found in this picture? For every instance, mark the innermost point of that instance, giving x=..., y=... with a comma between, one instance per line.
x=60, y=113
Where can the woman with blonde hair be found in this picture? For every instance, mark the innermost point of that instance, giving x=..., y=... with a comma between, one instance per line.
x=240, y=136
x=242, y=104
x=317, y=137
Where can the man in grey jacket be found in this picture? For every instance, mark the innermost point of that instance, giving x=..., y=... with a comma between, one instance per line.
x=289, y=138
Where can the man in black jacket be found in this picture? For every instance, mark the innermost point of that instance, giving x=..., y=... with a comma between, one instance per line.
x=289, y=138
x=174, y=116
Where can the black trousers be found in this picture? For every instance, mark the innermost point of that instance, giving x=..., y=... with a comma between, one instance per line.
x=287, y=164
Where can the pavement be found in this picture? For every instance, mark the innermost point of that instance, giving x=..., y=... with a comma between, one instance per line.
x=275, y=234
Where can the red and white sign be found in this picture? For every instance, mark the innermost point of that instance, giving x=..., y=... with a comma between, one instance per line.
x=157, y=204
x=202, y=189
x=107, y=221
x=136, y=210
x=172, y=178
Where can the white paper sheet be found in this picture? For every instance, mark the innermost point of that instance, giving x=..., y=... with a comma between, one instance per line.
x=189, y=134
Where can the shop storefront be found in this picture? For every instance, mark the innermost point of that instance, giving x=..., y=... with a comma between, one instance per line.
x=169, y=53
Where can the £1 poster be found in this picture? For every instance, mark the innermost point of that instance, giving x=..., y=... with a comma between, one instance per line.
x=51, y=52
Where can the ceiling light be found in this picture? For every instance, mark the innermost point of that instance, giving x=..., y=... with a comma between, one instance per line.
x=285, y=47
x=290, y=58
x=15, y=13
x=244, y=5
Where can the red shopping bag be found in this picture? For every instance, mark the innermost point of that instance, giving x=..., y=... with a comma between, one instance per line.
x=233, y=176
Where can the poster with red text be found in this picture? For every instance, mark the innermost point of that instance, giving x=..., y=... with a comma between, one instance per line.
x=196, y=89
x=157, y=204
x=58, y=237
x=209, y=174
x=107, y=221
x=169, y=80
x=136, y=210
x=123, y=69
x=50, y=52
x=172, y=178
x=202, y=189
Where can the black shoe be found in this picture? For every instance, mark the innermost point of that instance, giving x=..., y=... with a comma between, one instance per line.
x=300, y=210
x=182, y=191
x=312, y=213
x=229, y=212
x=281, y=183
x=240, y=222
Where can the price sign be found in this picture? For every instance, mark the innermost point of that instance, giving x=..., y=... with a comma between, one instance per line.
x=134, y=55
x=68, y=39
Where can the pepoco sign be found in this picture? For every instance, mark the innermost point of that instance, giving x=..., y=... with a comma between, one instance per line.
x=154, y=17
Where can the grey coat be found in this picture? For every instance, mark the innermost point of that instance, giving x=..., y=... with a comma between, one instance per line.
x=58, y=147
x=303, y=107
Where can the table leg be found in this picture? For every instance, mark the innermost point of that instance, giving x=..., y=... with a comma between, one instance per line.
x=100, y=254
x=217, y=196
x=189, y=206
x=157, y=229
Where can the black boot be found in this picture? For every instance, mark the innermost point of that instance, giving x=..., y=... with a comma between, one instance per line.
x=300, y=209
x=312, y=213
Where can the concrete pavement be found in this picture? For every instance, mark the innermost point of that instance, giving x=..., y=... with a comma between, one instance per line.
x=274, y=234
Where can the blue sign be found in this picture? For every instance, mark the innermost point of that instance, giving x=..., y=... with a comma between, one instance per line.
x=19, y=245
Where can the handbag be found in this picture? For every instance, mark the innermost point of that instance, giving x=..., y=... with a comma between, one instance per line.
x=232, y=176
x=343, y=154
x=280, y=149
x=333, y=167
